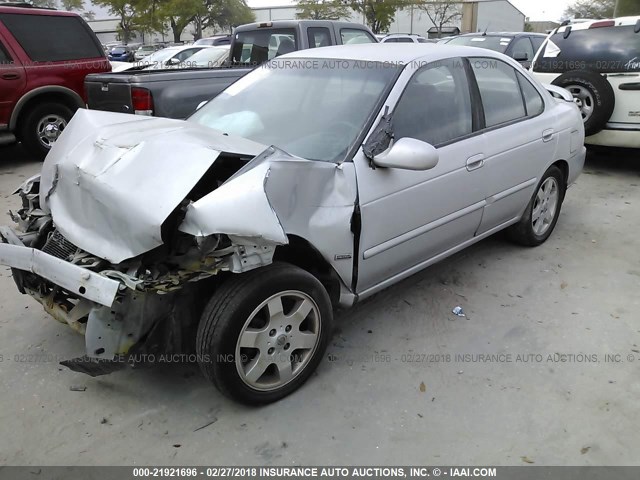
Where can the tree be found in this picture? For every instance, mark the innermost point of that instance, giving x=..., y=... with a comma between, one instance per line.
x=627, y=8
x=379, y=14
x=226, y=14
x=441, y=12
x=129, y=13
x=591, y=9
x=69, y=5
x=322, y=10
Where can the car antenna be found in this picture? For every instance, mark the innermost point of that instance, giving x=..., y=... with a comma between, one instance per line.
x=484, y=34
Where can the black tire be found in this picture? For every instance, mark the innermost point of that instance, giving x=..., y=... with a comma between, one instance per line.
x=232, y=305
x=524, y=232
x=601, y=93
x=28, y=129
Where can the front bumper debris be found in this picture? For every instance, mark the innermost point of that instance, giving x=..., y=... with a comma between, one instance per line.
x=74, y=279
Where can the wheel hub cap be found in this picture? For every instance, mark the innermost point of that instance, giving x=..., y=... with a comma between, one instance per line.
x=545, y=206
x=49, y=129
x=278, y=340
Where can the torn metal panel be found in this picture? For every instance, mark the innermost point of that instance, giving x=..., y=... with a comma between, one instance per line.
x=239, y=207
x=277, y=194
x=113, y=179
x=315, y=200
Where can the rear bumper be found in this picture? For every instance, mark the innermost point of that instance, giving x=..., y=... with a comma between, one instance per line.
x=72, y=278
x=625, y=138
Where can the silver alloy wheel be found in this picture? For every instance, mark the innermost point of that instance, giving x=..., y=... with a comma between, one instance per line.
x=583, y=99
x=278, y=340
x=49, y=129
x=545, y=206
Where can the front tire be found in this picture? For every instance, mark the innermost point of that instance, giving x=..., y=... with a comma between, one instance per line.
x=542, y=212
x=264, y=332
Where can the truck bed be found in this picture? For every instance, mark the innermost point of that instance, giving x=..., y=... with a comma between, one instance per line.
x=175, y=93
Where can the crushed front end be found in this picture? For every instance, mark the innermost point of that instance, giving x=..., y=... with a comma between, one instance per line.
x=146, y=304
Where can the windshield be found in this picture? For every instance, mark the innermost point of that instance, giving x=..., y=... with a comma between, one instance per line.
x=497, y=44
x=162, y=55
x=312, y=108
x=207, y=58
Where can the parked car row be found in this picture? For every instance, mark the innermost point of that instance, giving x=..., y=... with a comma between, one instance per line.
x=243, y=255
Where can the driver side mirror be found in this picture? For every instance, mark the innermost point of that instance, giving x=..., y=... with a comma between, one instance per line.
x=521, y=56
x=408, y=154
x=201, y=104
x=173, y=61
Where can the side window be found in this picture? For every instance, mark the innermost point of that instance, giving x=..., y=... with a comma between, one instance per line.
x=391, y=40
x=47, y=38
x=352, y=36
x=404, y=40
x=499, y=90
x=435, y=107
x=537, y=43
x=532, y=100
x=522, y=46
x=5, y=58
x=319, y=37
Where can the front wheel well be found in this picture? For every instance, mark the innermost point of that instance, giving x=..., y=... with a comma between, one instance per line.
x=302, y=254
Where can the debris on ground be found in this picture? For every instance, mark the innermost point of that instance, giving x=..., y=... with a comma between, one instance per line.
x=77, y=388
x=423, y=387
x=211, y=422
x=458, y=311
x=527, y=460
x=584, y=450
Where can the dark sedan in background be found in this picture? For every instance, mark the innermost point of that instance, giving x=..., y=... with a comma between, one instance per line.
x=522, y=47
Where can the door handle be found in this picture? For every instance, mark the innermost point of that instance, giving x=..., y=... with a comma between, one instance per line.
x=547, y=135
x=10, y=76
x=475, y=162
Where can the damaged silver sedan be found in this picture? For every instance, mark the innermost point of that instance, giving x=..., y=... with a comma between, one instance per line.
x=305, y=186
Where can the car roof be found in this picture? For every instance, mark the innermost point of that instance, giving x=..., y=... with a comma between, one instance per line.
x=392, y=52
x=503, y=34
x=586, y=24
x=36, y=11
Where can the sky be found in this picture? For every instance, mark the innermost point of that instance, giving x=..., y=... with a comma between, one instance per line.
x=542, y=9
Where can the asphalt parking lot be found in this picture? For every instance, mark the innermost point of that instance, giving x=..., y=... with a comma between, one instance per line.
x=524, y=378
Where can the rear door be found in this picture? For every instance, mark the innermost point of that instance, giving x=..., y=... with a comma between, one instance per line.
x=12, y=81
x=520, y=138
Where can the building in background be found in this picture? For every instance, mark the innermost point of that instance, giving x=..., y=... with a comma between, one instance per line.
x=543, y=27
x=476, y=16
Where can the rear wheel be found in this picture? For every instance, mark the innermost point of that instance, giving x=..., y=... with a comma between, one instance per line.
x=542, y=212
x=42, y=126
x=264, y=332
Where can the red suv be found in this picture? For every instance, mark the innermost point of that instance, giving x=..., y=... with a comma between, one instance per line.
x=44, y=57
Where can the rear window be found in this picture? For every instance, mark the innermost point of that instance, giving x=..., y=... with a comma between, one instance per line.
x=603, y=49
x=258, y=46
x=497, y=44
x=351, y=36
x=47, y=38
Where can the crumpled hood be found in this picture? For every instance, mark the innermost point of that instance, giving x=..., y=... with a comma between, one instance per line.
x=112, y=179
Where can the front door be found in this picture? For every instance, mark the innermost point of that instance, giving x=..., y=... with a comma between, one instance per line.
x=410, y=217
